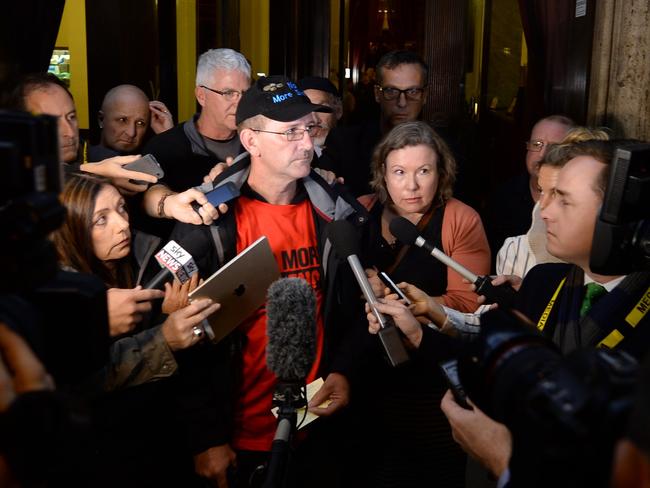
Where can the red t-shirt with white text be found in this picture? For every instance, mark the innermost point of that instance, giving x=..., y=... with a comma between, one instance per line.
x=291, y=232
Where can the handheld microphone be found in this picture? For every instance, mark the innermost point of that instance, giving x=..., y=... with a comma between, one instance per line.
x=290, y=354
x=176, y=261
x=408, y=233
x=341, y=233
x=291, y=329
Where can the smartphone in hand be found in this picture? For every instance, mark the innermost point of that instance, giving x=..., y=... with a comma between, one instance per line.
x=221, y=194
x=391, y=284
x=146, y=164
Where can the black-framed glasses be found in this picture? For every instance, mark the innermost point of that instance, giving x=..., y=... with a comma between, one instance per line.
x=389, y=93
x=230, y=95
x=295, y=134
x=535, y=146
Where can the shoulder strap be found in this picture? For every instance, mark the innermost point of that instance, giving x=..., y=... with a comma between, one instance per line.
x=424, y=221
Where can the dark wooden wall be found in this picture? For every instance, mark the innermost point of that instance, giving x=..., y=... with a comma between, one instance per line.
x=299, y=38
x=445, y=48
x=131, y=42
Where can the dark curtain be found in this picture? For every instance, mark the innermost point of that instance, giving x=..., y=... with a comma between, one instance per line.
x=537, y=21
x=559, y=58
x=28, y=31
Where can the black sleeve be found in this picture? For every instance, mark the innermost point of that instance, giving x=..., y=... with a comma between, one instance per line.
x=206, y=372
x=206, y=391
x=44, y=436
x=436, y=347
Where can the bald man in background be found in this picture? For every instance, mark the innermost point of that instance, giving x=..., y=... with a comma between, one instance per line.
x=124, y=118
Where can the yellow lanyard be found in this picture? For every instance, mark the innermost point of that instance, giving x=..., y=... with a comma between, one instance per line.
x=547, y=311
x=635, y=316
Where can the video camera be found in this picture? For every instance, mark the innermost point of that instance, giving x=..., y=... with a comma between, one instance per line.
x=565, y=413
x=62, y=315
x=621, y=242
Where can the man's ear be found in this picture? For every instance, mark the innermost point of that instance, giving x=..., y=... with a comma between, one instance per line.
x=199, y=93
x=249, y=140
x=100, y=119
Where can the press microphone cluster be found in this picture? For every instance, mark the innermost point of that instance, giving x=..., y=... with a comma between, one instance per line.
x=290, y=354
x=407, y=233
x=176, y=261
x=342, y=235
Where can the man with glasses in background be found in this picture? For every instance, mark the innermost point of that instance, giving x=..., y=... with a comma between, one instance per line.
x=400, y=92
x=509, y=208
x=190, y=150
x=284, y=200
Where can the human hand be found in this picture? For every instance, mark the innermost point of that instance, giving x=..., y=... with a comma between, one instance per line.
x=329, y=176
x=513, y=280
x=179, y=206
x=375, y=283
x=402, y=317
x=113, y=168
x=20, y=369
x=161, y=117
x=177, y=295
x=179, y=327
x=336, y=389
x=213, y=464
x=486, y=440
x=127, y=306
x=425, y=307
x=217, y=169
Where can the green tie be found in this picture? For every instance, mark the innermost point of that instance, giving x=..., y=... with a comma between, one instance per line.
x=593, y=293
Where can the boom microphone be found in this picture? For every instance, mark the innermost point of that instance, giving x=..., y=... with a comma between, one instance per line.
x=408, y=233
x=176, y=260
x=290, y=353
x=341, y=233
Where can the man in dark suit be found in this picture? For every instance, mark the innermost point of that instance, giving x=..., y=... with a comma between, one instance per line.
x=571, y=303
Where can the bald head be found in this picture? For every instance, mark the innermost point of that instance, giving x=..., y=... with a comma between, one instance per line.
x=124, y=118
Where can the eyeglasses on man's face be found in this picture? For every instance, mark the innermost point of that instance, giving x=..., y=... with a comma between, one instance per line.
x=295, y=134
x=389, y=93
x=535, y=146
x=230, y=95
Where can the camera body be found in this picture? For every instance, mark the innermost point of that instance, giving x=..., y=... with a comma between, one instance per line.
x=564, y=413
x=63, y=316
x=621, y=242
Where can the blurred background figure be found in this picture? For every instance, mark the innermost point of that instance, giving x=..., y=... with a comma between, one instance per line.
x=322, y=91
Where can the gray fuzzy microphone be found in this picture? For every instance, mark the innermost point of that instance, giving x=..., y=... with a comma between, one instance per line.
x=291, y=329
x=290, y=353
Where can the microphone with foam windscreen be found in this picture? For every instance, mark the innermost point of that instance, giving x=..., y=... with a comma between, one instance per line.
x=290, y=353
x=408, y=233
x=342, y=235
x=176, y=260
x=291, y=329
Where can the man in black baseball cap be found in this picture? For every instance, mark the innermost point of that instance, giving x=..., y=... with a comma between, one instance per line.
x=284, y=200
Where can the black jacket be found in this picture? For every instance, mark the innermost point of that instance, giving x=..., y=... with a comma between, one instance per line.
x=616, y=310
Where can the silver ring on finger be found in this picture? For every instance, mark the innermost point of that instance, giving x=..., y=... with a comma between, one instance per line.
x=197, y=332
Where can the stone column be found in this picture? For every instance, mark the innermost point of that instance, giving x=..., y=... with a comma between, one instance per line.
x=619, y=95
